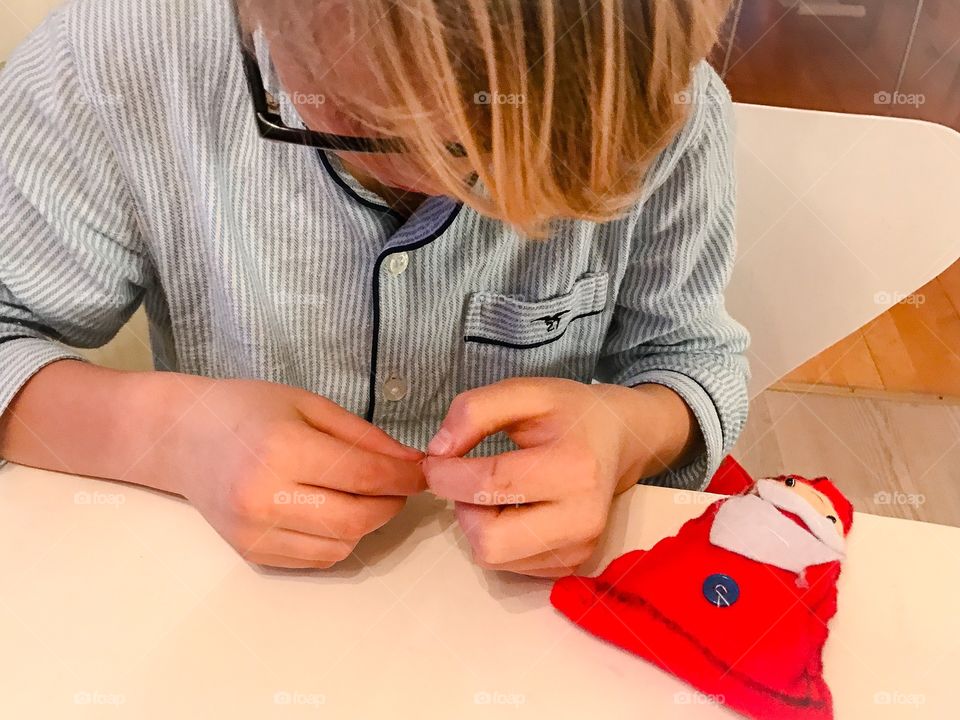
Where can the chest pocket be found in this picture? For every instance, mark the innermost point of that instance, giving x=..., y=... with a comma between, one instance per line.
x=506, y=337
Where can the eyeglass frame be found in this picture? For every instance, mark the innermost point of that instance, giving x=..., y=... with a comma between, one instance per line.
x=271, y=125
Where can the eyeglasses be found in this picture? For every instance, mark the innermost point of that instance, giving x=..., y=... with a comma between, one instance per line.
x=271, y=126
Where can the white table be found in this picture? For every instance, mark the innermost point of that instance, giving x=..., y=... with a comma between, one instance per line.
x=120, y=602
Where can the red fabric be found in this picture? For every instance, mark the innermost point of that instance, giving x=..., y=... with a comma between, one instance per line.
x=761, y=655
x=730, y=478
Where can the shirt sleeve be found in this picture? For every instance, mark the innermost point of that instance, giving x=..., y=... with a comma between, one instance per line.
x=670, y=325
x=72, y=269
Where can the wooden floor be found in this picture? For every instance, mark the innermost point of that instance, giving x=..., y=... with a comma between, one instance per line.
x=894, y=458
x=879, y=411
x=879, y=57
x=893, y=57
x=912, y=348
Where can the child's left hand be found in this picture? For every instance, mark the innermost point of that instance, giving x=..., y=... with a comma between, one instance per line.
x=541, y=510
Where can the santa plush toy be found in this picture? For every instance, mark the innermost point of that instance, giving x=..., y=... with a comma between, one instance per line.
x=736, y=603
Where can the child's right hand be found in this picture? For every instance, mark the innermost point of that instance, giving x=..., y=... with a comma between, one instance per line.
x=289, y=478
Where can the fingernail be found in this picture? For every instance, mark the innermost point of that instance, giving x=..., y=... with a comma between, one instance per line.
x=441, y=444
x=413, y=452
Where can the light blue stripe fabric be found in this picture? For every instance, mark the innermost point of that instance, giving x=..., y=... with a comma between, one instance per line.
x=131, y=173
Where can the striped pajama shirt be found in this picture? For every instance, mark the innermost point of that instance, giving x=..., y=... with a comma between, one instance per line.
x=131, y=174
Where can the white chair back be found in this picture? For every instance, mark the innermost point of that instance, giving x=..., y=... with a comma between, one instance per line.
x=839, y=217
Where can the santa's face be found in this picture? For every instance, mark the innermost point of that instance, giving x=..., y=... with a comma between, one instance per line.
x=816, y=499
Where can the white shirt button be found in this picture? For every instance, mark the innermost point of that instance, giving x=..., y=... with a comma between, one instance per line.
x=398, y=263
x=395, y=389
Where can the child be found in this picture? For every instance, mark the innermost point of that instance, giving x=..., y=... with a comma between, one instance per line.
x=364, y=230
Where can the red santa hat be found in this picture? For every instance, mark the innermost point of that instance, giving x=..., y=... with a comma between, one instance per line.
x=838, y=499
x=745, y=632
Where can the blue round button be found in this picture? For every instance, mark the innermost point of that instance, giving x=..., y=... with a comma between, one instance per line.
x=721, y=590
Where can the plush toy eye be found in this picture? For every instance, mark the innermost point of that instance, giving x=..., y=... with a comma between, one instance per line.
x=791, y=481
x=832, y=518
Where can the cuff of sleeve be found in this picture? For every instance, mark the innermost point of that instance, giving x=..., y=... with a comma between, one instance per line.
x=697, y=474
x=20, y=359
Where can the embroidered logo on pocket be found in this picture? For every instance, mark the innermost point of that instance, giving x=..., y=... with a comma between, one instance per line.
x=516, y=322
x=552, y=321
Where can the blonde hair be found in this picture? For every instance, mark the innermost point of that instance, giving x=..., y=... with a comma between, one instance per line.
x=561, y=105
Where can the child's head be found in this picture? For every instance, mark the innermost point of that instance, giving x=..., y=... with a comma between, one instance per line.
x=560, y=104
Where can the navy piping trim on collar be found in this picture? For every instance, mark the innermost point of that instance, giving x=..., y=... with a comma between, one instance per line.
x=325, y=161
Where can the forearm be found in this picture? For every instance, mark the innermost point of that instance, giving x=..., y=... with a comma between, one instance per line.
x=83, y=419
x=661, y=433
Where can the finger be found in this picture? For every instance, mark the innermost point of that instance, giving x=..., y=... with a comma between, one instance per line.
x=282, y=561
x=481, y=412
x=326, y=461
x=325, y=415
x=551, y=563
x=332, y=513
x=512, y=478
x=312, y=548
x=502, y=535
x=556, y=572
